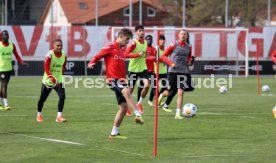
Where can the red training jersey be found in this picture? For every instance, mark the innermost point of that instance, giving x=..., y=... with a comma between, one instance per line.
x=151, y=52
x=114, y=57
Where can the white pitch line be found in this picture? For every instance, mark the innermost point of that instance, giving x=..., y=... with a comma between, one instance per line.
x=112, y=95
x=52, y=140
x=8, y=115
x=74, y=143
x=200, y=156
x=117, y=150
x=220, y=113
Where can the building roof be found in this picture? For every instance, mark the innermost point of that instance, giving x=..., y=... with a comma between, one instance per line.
x=76, y=15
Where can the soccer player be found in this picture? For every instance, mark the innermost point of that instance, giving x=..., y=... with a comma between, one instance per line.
x=179, y=76
x=162, y=71
x=137, y=67
x=7, y=48
x=54, y=66
x=151, y=57
x=113, y=54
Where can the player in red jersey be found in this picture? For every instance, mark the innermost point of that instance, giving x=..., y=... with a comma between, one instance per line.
x=54, y=67
x=7, y=48
x=114, y=57
x=180, y=79
x=137, y=67
x=162, y=71
x=150, y=59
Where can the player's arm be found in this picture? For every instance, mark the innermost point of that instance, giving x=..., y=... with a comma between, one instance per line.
x=18, y=58
x=151, y=57
x=190, y=59
x=273, y=56
x=102, y=53
x=164, y=58
x=64, y=65
x=130, y=48
x=47, y=63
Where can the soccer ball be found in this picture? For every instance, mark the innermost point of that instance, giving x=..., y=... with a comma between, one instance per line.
x=223, y=90
x=189, y=110
x=265, y=88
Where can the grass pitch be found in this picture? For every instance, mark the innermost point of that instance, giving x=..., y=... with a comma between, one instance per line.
x=234, y=127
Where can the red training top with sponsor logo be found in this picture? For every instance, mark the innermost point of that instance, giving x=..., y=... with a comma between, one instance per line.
x=114, y=57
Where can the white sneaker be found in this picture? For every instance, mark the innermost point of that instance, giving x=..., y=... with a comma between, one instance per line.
x=177, y=116
x=150, y=103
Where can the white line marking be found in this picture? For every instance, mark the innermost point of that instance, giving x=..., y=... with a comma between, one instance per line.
x=74, y=143
x=8, y=115
x=116, y=150
x=112, y=95
x=220, y=113
x=53, y=140
x=213, y=156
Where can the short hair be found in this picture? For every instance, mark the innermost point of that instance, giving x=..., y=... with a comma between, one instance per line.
x=57, y=40
x=188, y=38
x=125, y=32
x=4, y=31
x=162, y=37
x=139, y=27
x=150, y=36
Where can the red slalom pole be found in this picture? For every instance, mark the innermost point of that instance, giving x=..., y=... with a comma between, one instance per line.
x=156, y=104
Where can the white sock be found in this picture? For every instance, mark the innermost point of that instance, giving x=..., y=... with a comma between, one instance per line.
x=137, y=113
x=115, y=130
x=140, y=100
x=178, y=111
x=161, y=95
x=39, y=113
x=59, y=114
x=160, y=98
x=166, y=106
x=5, y=102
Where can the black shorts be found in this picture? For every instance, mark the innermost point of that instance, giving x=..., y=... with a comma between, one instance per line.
x=180, y=81
x=117, y=86
x=133, y=77
x=163, y=79
x=5, y=75
x=151, y=76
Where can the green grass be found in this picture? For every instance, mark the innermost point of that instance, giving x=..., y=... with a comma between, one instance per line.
x=235, y=127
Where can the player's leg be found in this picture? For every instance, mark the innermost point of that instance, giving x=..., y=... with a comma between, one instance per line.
x=146, y=83
x=5, y=78
x=132, y=78
x=185, y=85
x=118, y=120
x=123, y=95
x=126, y=93
x=153, y=88
x=179, y=103
x=170, y=91
x=164, y=83
x=140, y=88
x=61, y=95
x=43, y=96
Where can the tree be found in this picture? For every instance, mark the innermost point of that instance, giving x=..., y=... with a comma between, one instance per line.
x=212, y=12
